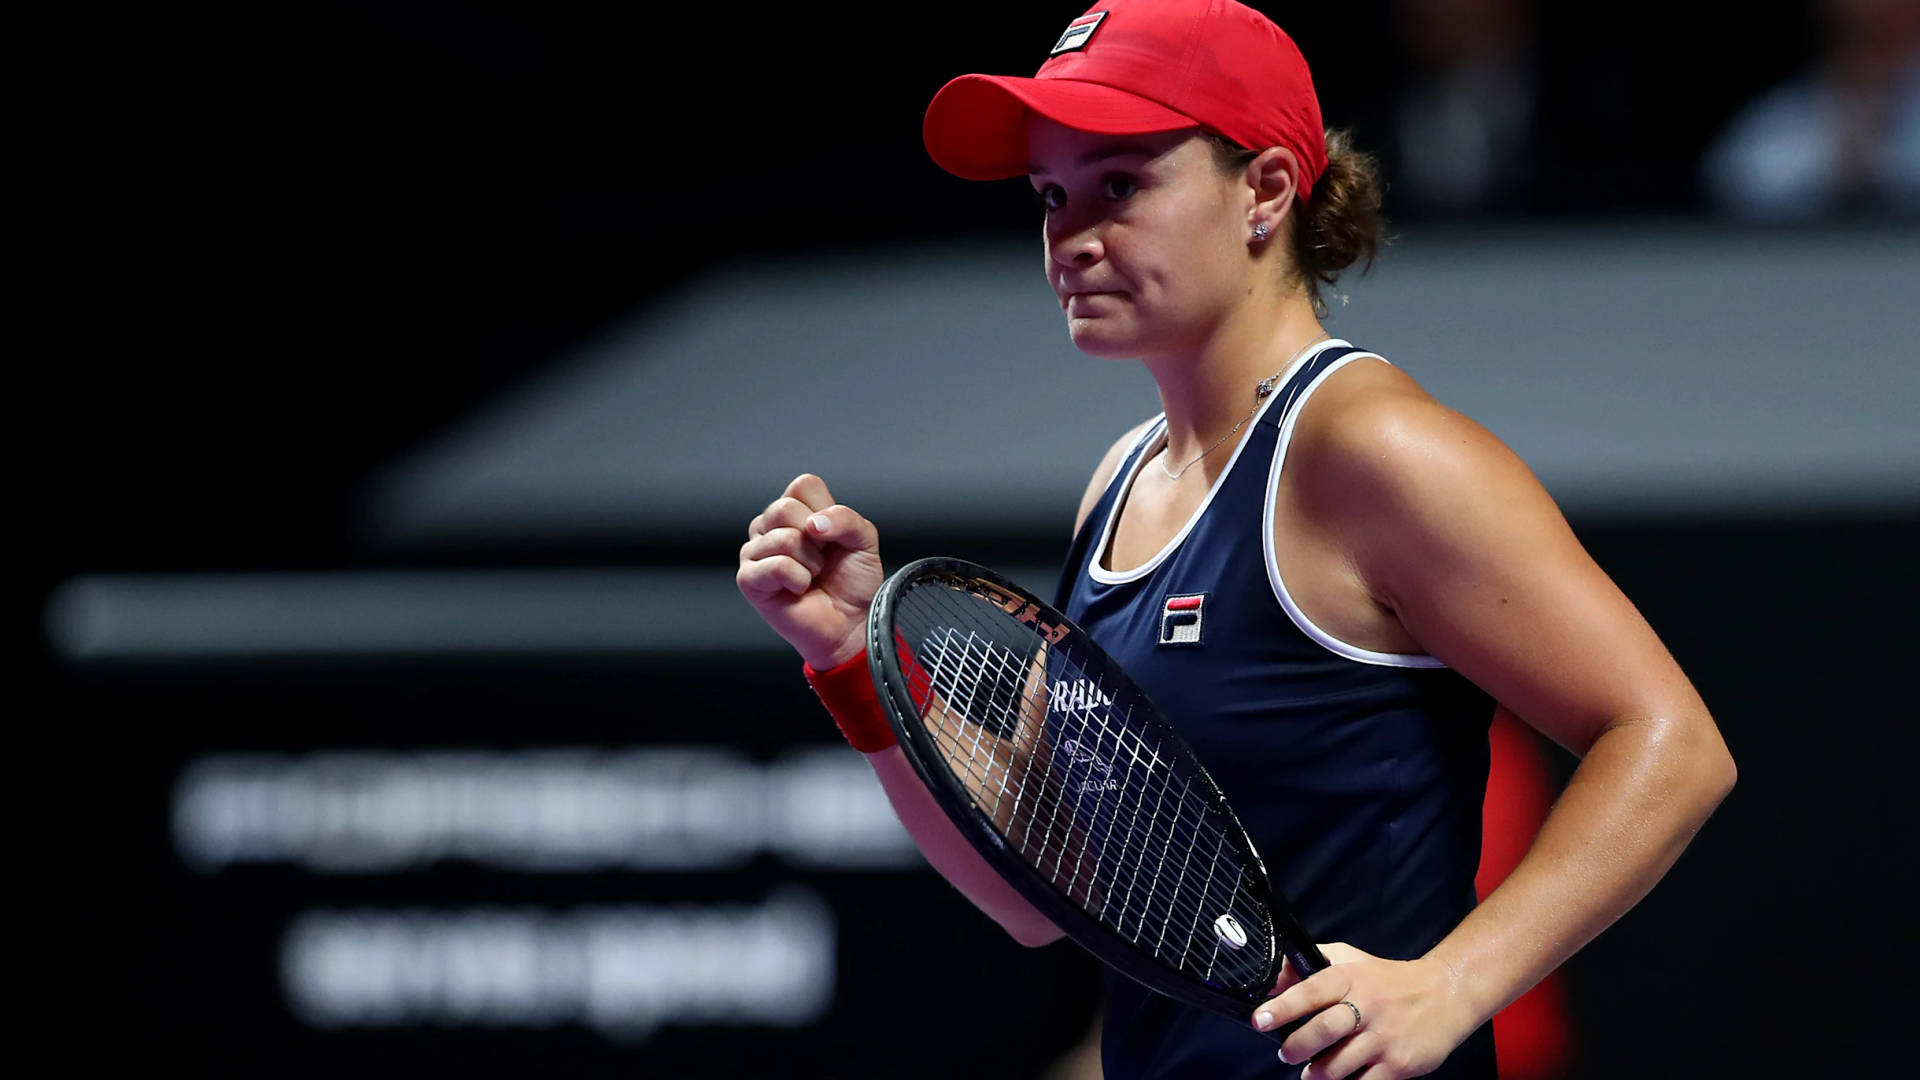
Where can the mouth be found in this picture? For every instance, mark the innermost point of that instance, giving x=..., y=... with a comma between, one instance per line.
x=1083, y=296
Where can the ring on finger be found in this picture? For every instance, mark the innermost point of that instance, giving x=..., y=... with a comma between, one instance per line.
x=1358, y=1020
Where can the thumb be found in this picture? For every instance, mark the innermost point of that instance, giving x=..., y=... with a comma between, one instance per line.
x=843, y=525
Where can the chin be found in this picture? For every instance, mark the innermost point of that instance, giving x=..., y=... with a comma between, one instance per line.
x=1090, y=336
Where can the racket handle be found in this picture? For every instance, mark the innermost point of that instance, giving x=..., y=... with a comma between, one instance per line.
x=1305, y=958
x=1296, y=946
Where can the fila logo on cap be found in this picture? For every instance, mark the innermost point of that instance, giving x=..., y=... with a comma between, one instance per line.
x=1078, y=31
x=1180, y=619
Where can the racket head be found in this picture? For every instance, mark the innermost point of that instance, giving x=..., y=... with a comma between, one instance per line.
x=1063, y=775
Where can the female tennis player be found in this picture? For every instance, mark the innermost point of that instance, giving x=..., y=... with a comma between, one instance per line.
x=1328, y=580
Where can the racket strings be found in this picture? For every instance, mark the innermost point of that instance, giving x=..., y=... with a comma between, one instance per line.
x=989, y=688
x=1200, y=824
x=1165, y=907
x=1202, y=821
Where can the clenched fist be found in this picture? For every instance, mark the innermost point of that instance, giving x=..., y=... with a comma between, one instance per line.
x=810, y=567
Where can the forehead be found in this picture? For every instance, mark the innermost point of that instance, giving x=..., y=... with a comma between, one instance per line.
x=1054, y=148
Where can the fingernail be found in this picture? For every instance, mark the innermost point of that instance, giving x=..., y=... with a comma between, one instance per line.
x=1283, y=1057
x=1263, y=1020
x=819, y=522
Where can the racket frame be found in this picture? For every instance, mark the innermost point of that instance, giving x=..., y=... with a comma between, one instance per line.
x=1282, y=933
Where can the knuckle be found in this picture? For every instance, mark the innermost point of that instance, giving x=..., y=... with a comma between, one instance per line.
x=1328, y=1029
x=752, y=583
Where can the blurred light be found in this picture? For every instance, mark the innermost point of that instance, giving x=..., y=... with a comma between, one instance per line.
x=623, y=971
x=536, y=811
x=387, y=613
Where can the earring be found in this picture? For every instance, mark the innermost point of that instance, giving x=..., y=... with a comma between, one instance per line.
x=1260, y=231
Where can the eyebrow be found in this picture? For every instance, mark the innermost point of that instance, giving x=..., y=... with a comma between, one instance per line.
x=1101, y=153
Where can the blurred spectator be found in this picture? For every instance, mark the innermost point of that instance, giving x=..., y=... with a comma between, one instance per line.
x=1842, y=136
x=1463, y=130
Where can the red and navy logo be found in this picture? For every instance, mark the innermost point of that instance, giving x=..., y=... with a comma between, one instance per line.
x=1079, y=32
x=1180, y=619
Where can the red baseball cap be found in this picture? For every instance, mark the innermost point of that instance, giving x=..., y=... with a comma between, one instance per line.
x=1130, y=67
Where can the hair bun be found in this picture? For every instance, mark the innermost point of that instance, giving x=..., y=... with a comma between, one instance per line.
x=1342, y=223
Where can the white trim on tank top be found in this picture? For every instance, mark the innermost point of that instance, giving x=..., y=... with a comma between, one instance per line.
x=1109, y=577
x=1306, y=625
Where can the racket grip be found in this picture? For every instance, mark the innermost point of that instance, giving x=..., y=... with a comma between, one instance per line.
x=1304, y=957
x=1295, y=944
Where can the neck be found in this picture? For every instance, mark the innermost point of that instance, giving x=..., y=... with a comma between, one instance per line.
x=1209, y=387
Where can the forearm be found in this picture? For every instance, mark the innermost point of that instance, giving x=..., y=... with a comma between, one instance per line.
x=1639, y=795
x=952, y=855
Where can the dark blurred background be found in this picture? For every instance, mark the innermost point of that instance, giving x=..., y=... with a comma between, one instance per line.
x=416, y=368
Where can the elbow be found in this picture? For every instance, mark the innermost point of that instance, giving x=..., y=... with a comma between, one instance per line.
x=1713, y=767
x=1729, y=773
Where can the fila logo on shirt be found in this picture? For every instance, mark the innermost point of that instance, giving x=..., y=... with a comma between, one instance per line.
x=1180, y=619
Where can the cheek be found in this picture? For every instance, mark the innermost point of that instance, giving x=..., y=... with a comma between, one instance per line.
x=1187, y=266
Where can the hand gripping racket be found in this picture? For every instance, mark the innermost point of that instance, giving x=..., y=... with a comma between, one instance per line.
x=1069, y=782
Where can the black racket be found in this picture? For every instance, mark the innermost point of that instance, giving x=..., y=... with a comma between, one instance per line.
x=1069, y=782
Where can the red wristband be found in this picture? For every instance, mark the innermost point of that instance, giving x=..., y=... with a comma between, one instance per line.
x=847, y=692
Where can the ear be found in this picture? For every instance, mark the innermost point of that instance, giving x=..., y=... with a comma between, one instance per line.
x=1271, y=177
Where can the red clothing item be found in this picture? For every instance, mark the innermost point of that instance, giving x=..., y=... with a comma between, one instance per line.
x=1533, y=1037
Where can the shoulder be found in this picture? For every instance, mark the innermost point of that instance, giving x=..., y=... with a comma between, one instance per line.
x=1103, y=473
x=1397, y=472
x=1372, y=431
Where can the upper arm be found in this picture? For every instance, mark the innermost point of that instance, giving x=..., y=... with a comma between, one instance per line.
x=1451, y=530
x=1103, y=473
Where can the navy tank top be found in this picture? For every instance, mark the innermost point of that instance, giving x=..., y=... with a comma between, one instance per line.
x=1359, y=775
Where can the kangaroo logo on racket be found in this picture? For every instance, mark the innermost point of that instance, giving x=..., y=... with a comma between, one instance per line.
x=1232, y=934
x=1096, y=771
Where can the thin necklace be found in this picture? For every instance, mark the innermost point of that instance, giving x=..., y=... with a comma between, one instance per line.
x=1260, y=392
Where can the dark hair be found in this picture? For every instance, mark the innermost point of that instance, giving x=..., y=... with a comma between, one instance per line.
x=1341, y=222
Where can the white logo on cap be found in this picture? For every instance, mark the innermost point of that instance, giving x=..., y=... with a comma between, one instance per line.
x=1078, y=31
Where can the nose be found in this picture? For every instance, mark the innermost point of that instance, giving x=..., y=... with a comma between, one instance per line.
x=1075, y=247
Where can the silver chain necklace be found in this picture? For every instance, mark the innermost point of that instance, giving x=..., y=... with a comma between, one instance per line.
x=1260, y=392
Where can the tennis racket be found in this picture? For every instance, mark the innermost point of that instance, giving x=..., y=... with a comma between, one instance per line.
x=1063, y=775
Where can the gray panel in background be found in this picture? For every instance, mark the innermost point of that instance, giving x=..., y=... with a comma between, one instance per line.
x=1640, y=370
x=374, y=613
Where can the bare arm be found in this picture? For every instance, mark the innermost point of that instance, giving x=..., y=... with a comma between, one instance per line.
x=953, y=856
x=1452, y=532
x=939, y=840
x=1483, y=571
x=810, y=567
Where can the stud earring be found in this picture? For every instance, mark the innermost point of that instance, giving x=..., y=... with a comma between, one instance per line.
x=1260, y=231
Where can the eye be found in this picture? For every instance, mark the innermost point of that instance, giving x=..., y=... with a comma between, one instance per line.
x=1049, y=197
x=1118, y=185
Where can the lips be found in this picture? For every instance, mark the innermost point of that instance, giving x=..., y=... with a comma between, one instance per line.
x=1070, y=297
